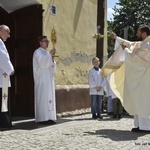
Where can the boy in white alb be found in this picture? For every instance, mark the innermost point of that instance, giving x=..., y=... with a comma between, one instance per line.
x=96, y=83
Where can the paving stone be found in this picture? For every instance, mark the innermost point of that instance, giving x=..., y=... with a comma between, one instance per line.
x=78, y=132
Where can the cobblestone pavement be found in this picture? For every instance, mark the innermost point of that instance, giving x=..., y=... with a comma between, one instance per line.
x=78, y=132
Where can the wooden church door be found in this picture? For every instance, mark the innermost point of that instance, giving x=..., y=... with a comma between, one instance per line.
x=25, y=25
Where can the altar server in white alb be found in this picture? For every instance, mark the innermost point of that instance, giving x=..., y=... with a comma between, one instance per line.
x=6, y=69
x=96, y=83
x=44, y=89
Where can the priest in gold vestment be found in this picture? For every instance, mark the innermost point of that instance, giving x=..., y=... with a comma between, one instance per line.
x=129, y=67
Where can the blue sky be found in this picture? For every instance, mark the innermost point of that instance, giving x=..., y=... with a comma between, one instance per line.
x=110, y=5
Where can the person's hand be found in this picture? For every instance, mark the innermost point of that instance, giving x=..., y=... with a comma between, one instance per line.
x=123, y=45
x=98, y=88
x=52, y=52
x=113, y=35
x=12, y=73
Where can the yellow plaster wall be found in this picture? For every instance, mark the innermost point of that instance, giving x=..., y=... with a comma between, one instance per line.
x=75, y=23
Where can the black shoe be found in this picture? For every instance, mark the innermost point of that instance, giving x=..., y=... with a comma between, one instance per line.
x=49, y=122
x=4, y=129
x=99, y=116
x=94, y=116
x=125, y=114
x=138, y=130
x=52, y=122
x=44, y=122
x=110, y=113
x=114, y=116
x=119, y=116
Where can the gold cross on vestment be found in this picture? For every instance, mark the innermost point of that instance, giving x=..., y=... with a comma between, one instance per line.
x=4, y=96
x=5, y=74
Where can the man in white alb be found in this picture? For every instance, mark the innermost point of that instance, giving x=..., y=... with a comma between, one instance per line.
x=44, y=88
x=6, y=69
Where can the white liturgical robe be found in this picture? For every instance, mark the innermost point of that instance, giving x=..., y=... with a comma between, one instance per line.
x=5, y=67
x=44, y=88
x=131, y=81
x=95, y=80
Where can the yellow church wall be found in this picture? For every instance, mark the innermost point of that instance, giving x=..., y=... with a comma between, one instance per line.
x=75, y=23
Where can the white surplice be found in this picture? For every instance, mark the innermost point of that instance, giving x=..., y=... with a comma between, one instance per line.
x=44, y=87
x=5, y=67
x=95, y=80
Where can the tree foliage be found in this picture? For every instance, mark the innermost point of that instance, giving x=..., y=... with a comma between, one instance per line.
x=110, y=49
x=130, y=13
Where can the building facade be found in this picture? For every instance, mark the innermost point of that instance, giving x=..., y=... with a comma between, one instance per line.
x=75, y=21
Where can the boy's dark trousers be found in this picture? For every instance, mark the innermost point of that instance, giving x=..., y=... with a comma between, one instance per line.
x=117, y=106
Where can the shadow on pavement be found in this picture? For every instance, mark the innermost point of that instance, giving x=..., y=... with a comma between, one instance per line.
x=116, y=135
x=106, y=118
x=84, y=119
x=29, y=123
x=72, y=115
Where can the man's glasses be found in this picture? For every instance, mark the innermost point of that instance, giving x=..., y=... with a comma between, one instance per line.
x=45, y=41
